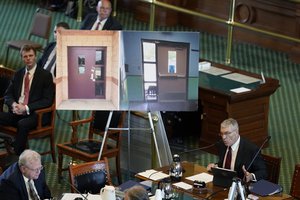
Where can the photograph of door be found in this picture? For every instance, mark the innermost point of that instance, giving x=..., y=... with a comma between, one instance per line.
x=86, y=72
x=165, y=66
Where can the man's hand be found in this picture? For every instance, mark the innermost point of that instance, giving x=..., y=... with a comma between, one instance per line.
x=18, y=109
x=247, y=175
x=211, y=165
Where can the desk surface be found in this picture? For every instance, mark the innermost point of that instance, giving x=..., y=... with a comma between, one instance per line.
x=222, y=86
x=214, y=191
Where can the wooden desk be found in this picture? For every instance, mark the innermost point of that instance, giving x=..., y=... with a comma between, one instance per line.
x=220, y=193
x=250, y=109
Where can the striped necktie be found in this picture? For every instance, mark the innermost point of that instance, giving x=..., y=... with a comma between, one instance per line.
x=32, y=193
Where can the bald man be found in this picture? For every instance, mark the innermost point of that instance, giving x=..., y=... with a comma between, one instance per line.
x=102, y=20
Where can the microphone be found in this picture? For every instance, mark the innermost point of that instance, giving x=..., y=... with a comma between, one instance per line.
x=260, y=148
x=263, y=80
x=74, y=188
x=200, y=148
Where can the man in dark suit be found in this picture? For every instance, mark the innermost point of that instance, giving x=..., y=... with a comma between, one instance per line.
x=236, y=153
x=102, y=19
x=48, y=59
x=24, y=179
x=31, y=89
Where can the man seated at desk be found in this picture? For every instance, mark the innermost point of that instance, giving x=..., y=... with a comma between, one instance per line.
x=236, y=153
x=25, y=179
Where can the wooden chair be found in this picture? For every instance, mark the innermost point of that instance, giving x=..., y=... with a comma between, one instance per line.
x=41, y=131
x=273, y=167
x=295, y=186
x=90, y=176
x=41, y=26
x=88, y=149
x=6, y=76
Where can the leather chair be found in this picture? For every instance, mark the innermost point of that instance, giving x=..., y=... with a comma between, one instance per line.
x=90, y=176
x=295, y=186
x=40, y=28
x=41, y=131
x=88, y=149
x=273, y=167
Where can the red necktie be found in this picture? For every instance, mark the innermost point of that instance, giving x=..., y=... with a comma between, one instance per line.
x=228, y=159
x=26, y=88
x=98, y=25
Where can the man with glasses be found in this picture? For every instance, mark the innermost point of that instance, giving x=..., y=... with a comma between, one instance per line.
x=102, y=20
x=236, y=153
x=25, y=179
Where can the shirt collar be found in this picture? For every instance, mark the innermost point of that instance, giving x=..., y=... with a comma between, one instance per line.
x=25, y=179
x=236, y=144
x=102, y=21
x=31, y=71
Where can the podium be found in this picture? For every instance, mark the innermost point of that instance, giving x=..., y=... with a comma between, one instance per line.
x=250, y=109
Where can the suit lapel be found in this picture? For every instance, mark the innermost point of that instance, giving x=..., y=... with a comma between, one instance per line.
x=107, y=24
x=20, y=83
x=22, y=185
x=239, y=155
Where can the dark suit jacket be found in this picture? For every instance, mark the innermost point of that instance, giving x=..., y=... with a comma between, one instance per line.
x=41, y=93
x=12, y=185
x=110, y=24
x=245, y=154
x=47, y=51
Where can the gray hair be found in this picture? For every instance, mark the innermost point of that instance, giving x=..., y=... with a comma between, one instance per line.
x=230, y=123
x=137, y=193
x=28, y=156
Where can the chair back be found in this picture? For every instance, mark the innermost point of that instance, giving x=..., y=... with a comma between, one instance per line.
x=90, y=176
x=6, y=75
x=295, y=186
x=101, y=117
x=273, y=167
x=99, y=122
x=41, y=25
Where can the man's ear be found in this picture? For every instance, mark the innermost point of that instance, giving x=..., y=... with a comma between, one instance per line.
x=22, y=169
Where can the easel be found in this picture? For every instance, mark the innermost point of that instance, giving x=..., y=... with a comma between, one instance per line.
x=128, y=130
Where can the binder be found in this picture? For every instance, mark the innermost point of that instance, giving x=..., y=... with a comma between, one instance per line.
x=265, y=188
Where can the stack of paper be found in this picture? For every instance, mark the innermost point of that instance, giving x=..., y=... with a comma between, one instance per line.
x=153, y=174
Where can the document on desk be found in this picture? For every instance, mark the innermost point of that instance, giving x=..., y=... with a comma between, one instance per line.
x=201, y=177
x=215, y=71
x=183, y=185
x=240, y=90
x=153, y=174
x=72, y=196
x=241, y=78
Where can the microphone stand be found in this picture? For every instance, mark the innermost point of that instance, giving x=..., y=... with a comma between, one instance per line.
x=74, y=188
x=260, y=148
x=200, y=148
x=256, y=154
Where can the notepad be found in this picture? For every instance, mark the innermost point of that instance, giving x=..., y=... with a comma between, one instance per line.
x=153, y=174
x=201, y=177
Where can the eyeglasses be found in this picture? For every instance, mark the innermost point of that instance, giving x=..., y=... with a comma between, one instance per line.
x=226, y=133
x=37, y=169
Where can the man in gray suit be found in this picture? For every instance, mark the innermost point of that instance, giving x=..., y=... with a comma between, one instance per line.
x=241, y=153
